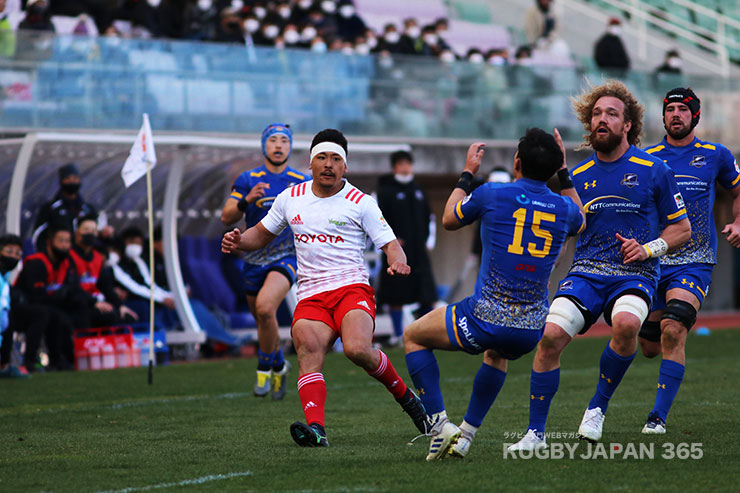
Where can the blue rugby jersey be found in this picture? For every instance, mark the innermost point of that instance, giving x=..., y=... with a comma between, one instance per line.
x=631, y=196
x=523, y=228
x=283, y=244
x=698, y=166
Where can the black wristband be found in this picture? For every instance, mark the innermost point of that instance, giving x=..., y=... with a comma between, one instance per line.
x=564, y=177
x=465, y=183
x=242, y=204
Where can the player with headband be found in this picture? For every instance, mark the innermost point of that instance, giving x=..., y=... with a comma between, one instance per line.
x=268, y=272
x=686, y=273
x=330, y=220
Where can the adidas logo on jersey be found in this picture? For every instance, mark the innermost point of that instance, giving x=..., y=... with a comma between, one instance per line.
x=363, y=303
x=296, y=220
x=310, y=404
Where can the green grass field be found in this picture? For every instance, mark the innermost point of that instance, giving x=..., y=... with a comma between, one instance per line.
x=198, y=428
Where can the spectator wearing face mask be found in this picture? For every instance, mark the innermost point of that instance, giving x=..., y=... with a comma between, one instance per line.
x=38, y=17
x=308, y=35
x=99, y=10
x=200, y=21
x=428, y=43
x=390, y=41
x=672, y=63
x=323, y=17
x=299, y=12
x=143, y=15
x=53, y=297
x=475, y=56
x=268, y=33
x=411, y=33
x=66, y=206
x=291, y=36
x=441, y=27
x=234, y=23
x=10, y=254
x=349, y=24
x=609, y=50
x=497, y=57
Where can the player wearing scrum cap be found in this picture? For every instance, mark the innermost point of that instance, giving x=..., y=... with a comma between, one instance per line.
x=330, y=220
x=268, y=272
x=685, y=273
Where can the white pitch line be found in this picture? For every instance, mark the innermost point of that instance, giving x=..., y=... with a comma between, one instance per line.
x=186, y=482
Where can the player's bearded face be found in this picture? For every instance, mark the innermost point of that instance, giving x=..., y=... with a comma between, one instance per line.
x=603, y=139
x=328, y=169
x=677, y=120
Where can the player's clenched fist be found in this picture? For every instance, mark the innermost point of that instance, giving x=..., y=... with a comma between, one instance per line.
x=257, y=191
x=399, y=269
x=631, y=250
x=230, y=241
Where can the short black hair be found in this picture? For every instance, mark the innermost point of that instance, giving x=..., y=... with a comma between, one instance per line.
x=401, y=156
x=330, y=135
x=88, y=217
x=55, y=227
x=540, y=154
x=10, y=239
x=131, y=232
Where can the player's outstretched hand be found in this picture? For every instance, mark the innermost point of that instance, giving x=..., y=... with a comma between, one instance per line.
x=230, y=241
x=399, y=269
x=559, y=140
x=732, y=231
x=474, y=157
x=631, y=250
x=257, y=191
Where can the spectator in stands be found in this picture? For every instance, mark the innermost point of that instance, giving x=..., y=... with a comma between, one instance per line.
x=406, y=209
x=360, y=46
x=200, y=21
x=267, y=34
x=671, y=64
x=66, y=206
x=308, y=33
x=428, y=43
x=7, y=36
x=143, y=16
x=609, y=51
x=250, y=26
x=390, y=41
x=291, y=36
x=497, y=57
x=475, y=56
x=52, y=297
x=523, y=56
x=10, y=254
x=411, y=32
x=323, y=19
x=540, y=23
x=318, y=45
x=171, y=15
x=349, y=24
x=371, y=38
x=299, y=14
x=99, y=10
x=38, y=17
x=283, y=10
x=447, y=56
x=441, y=27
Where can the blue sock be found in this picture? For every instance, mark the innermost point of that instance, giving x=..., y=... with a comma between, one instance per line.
x=278, y=360
x=264, y=360
x=669, y=380
x=397, y=319
x=542, y=388
x=486, y=385
x=611, y=370
x=424, y=373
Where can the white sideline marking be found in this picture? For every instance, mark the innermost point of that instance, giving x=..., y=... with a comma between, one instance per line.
x=186, y=482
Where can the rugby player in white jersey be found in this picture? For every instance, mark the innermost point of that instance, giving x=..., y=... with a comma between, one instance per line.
x=330, y=220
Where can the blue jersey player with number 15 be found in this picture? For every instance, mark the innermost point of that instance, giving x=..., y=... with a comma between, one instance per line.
x=268, y=272
x=523, y=227
x=627, y=195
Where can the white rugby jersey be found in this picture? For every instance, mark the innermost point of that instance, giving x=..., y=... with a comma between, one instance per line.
x=329, y=234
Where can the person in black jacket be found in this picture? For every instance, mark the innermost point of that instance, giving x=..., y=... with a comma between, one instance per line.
x=66, y=206
x=609, y=51
x=406, y=208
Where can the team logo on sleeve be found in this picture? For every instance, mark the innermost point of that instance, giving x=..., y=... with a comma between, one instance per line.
x=383, y=222
x=698, y=161
x=565, y=285
x=465, y=200
x=679, y=200
x=737, y=168
x=630, y=180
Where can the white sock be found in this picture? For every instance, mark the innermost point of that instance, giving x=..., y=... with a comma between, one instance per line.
x=468, y=429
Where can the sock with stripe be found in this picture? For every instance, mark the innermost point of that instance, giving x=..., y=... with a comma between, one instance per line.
x=611, y=370
x=278, y=360
x=424, y=373
x=264, y=360
x=670, y=377
x=486, y=386
x=542, y=388
x=312, y=392
x=386, y=374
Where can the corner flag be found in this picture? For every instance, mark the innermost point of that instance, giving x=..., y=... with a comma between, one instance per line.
x=141, y=152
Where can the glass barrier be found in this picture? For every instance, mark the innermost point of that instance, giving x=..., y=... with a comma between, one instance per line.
x=107, y=83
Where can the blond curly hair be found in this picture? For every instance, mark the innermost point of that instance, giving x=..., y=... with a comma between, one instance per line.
x=633, y=110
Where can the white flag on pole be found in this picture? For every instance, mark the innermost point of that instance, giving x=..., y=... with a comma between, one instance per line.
x=141, y=152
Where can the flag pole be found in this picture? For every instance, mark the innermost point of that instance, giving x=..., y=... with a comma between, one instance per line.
x=150, y=221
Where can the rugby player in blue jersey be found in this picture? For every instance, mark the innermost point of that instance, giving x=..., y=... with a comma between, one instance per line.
x=627, y=194
x=686, y=272
x=268, y=272
x=523, y=227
